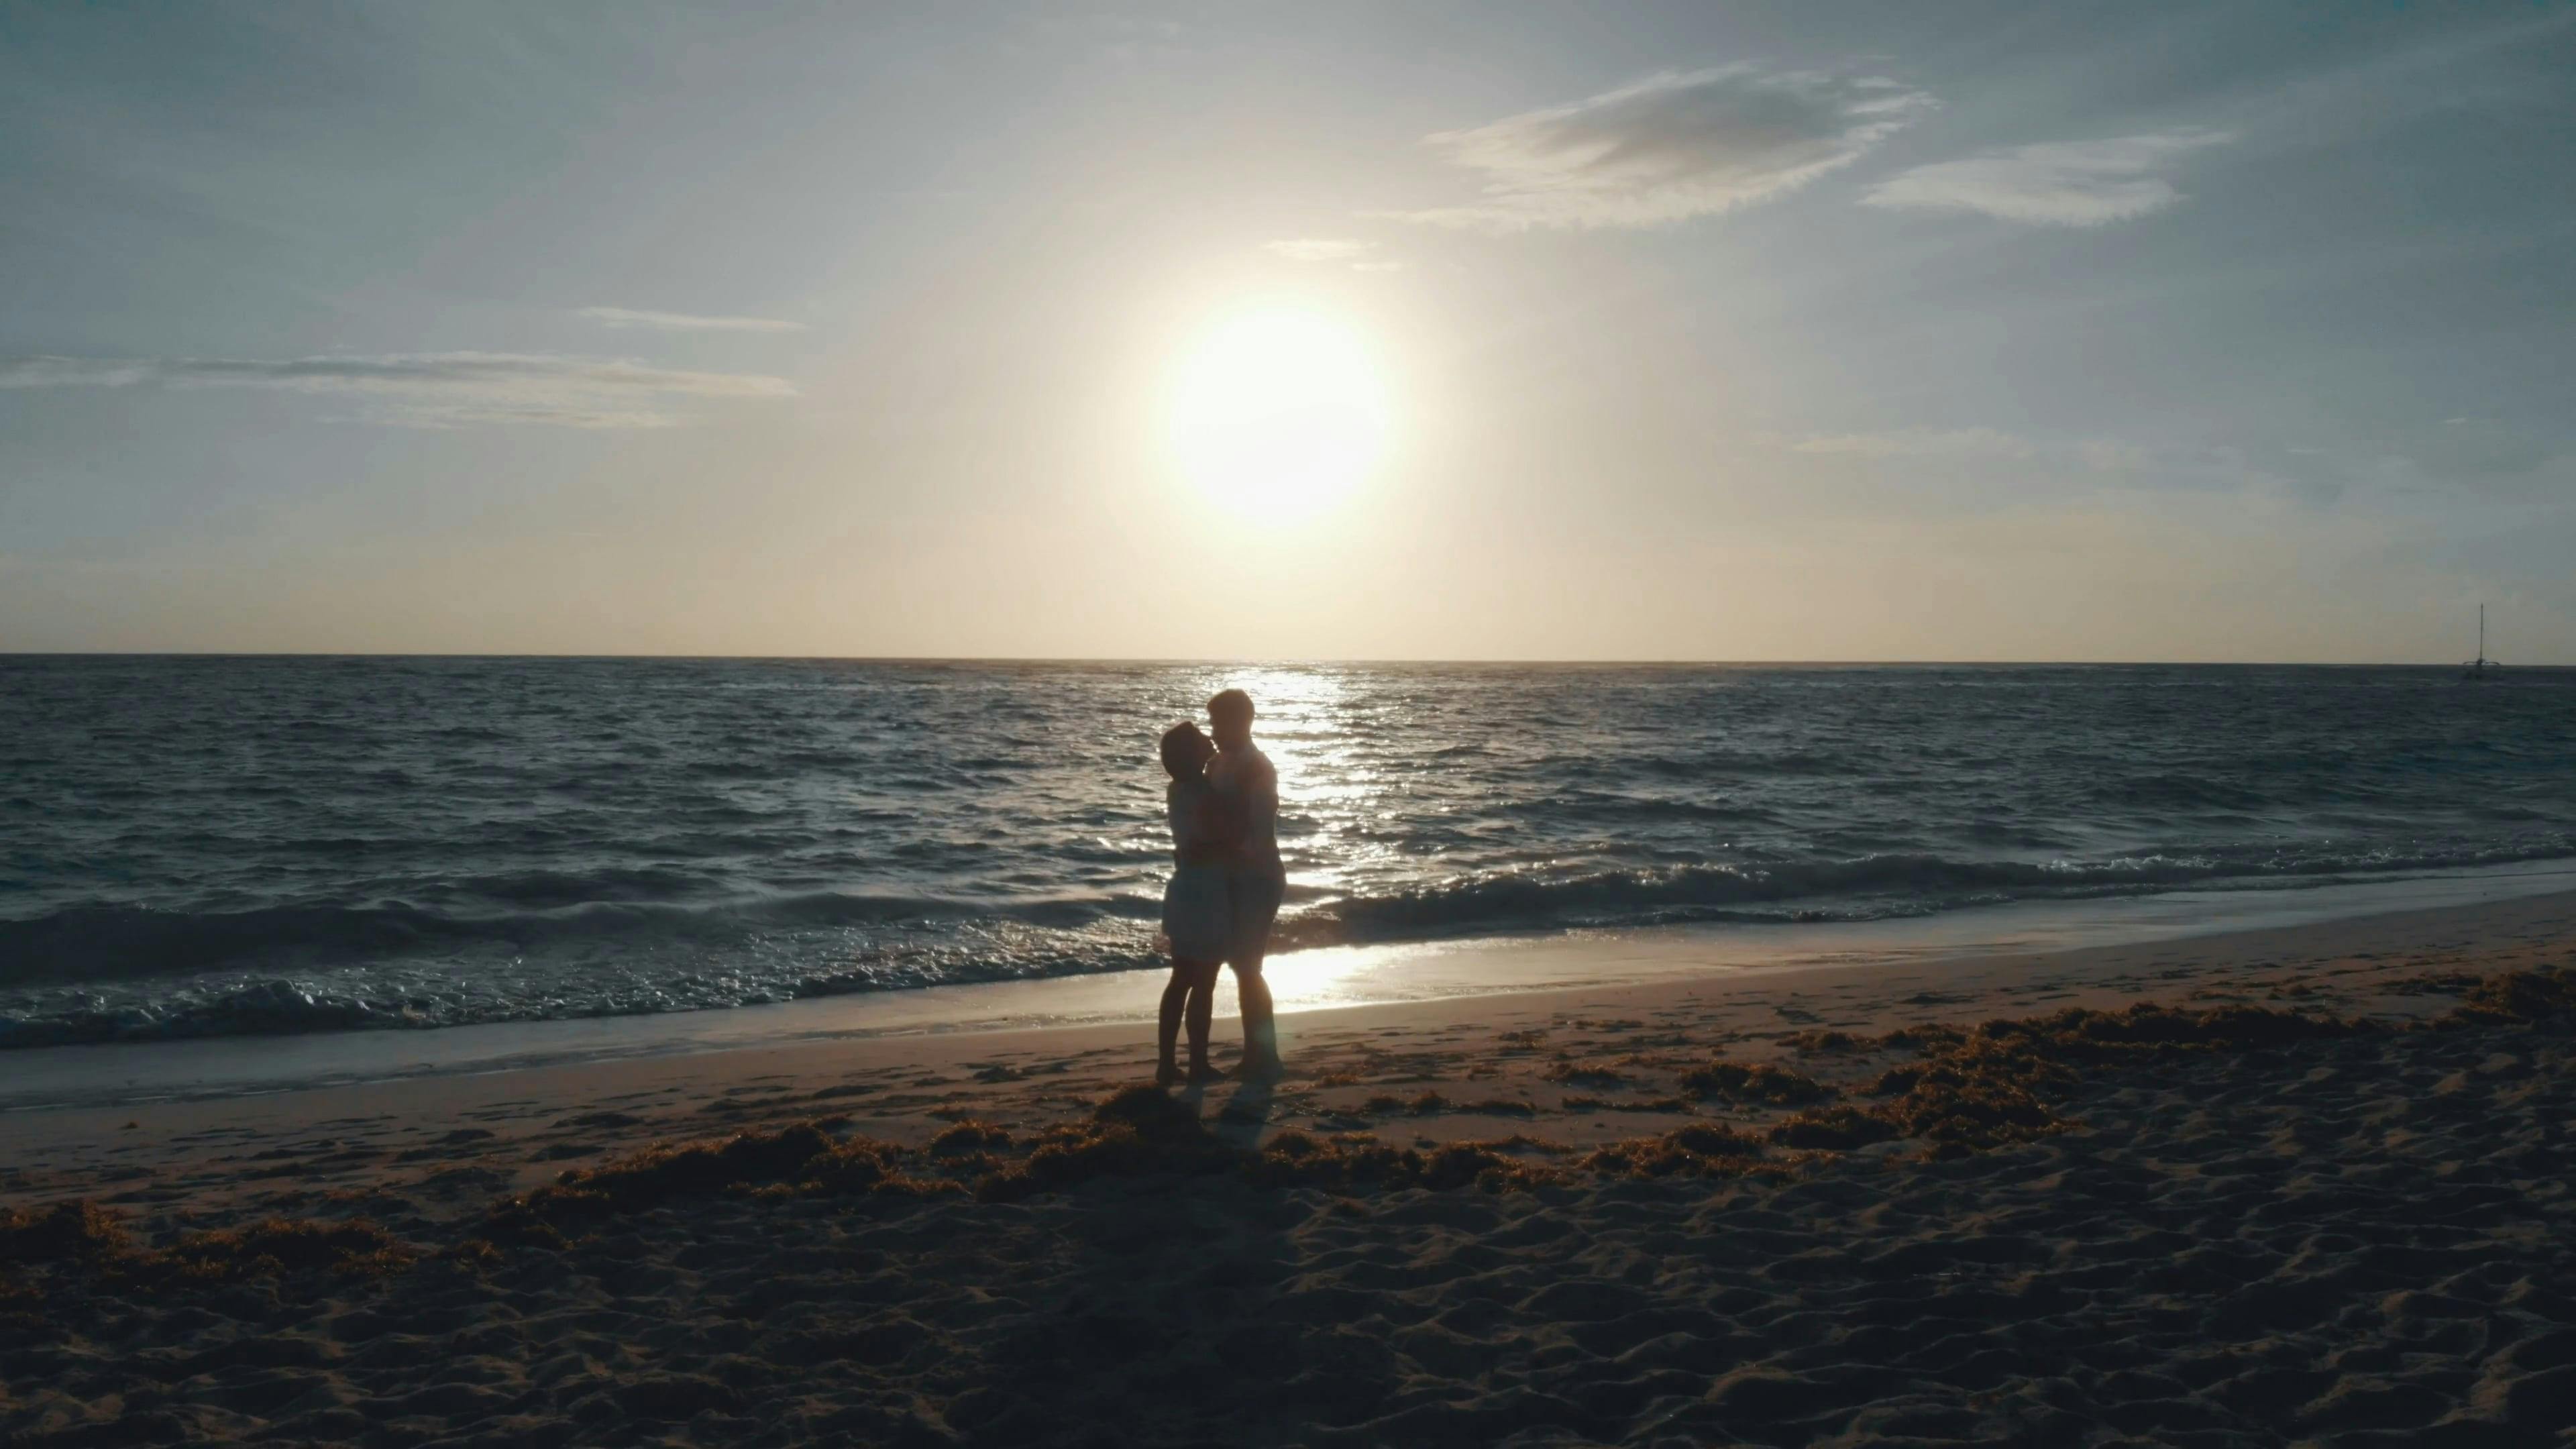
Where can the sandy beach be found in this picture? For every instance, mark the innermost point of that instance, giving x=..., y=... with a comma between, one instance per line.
x=2299, y=1185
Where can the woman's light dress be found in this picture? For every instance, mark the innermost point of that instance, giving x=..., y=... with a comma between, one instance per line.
x=1195, y=915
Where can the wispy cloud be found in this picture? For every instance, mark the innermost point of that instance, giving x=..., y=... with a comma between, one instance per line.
x=2484, y=447
x=2059, y=183
x=2099, y=455
x=1993, y=451
x=627, y=317
x=1125, y=39
x=72, y=372
x=1920, y=443
x=431, y=389
x=1672, y=146
x=1359, y=256
x=1318, y=249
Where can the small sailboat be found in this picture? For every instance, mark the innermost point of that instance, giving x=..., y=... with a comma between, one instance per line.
x=2481, y=667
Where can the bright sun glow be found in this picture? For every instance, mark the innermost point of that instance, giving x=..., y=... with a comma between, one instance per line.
x=1279, y=411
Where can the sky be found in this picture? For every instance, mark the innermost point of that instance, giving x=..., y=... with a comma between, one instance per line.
x=2052, y=331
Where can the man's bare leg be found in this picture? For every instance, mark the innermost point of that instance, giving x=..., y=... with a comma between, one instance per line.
x=1260, y=1021
x=1202, y=1015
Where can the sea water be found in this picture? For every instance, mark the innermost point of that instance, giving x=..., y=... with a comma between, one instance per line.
x=207, y=846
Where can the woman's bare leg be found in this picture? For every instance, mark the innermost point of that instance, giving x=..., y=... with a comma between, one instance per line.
x=1176, y=994
x=1187, y=997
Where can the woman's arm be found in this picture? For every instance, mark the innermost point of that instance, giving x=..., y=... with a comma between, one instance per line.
x=1222, y=819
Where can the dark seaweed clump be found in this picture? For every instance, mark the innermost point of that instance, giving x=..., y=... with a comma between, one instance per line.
x=1596, y=1075
x=1991, y=1086
x=1137, y=1132
x=85, y=1238
x=1754, y=1082
x=1838, y=1128
x=2518, y=997
x=800, y=1158
x=970, y=1136
x=1700, y=1149
x=1299, y=1159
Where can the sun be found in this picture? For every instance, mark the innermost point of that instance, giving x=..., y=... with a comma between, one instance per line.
x=1279, y=411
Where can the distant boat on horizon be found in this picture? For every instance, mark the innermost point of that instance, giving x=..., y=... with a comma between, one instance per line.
x=2481, y=667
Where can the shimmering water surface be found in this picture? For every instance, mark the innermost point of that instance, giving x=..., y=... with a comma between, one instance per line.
x=199, y=846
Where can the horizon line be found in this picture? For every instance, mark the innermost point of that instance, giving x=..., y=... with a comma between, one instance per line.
x=1282, y=661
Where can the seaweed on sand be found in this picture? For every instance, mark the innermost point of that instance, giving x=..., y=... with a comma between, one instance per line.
x=1966, y=1113
x=2081, y=1034
x=1837, y=1128
x=1136, y=1132
x=800, y=1157
x=1597, y=1075
x=2518, y=997
x=1580, y=1103
x=276, y=1247
x=1754, y=1082
x=1701, y=1149
x=84, y=1237
x=1301, y=1159
x=1991, y=1087
x=77, y=1232
x=1298, y=1159
x=972, y=1135
x=1141, y=1132
x=1921, y=1036
x=2000, y=1083
x=1972, y=1090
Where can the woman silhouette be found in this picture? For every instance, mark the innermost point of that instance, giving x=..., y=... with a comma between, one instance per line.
x=1198, y=922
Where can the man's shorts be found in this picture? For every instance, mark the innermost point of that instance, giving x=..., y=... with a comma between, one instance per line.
x=1252, y=902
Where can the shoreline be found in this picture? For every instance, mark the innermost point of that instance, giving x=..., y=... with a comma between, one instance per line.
x=976, y=1071
x=45, y=1079
x=2267, y=1186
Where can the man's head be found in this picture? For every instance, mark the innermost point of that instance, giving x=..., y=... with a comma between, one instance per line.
x=1230, y=715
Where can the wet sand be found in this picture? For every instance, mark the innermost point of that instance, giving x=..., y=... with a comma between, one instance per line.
x=1578, y=1217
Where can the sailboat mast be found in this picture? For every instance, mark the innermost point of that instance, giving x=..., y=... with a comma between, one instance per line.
x=2482, y=633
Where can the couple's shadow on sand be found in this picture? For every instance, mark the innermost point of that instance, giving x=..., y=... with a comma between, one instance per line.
x=1245, y=1112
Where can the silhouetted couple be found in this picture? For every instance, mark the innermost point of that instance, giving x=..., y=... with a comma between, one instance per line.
x=1226, y=885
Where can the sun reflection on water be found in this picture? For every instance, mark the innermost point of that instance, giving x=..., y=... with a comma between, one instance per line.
x=1333, y=782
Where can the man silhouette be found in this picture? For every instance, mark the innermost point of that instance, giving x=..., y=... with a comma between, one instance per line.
x=1255, y=880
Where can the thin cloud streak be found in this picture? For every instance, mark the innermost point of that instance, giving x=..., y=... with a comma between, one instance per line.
x=2058, y=183
x=431, y=389
x=1359, y=256
x=2118, y=462
x=1319, y=249
x=628, y=317
x=1669, y=148
x=1920, y=443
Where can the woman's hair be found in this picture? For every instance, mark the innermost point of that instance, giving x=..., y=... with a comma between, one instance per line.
x=1185, y=749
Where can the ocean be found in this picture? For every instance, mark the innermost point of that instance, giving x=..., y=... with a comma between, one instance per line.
x=204, y=846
